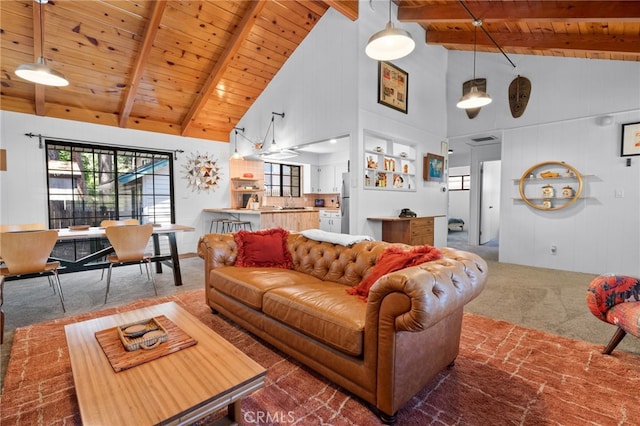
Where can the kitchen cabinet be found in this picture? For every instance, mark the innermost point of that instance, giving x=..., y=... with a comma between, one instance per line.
x=330, y=221
x=330, y=178
x=311, y=183
x=294, y=221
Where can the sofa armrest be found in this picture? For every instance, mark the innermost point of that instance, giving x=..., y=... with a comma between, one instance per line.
x=434, y=289
x=217, y=250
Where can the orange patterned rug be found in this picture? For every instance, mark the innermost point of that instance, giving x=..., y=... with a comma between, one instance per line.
x=505, y=375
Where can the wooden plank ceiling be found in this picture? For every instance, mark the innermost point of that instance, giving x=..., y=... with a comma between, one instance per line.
x=190, y=68
x=193, y=68
x=576, y=28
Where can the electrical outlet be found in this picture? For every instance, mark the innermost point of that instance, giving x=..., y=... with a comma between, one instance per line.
x=554, y=249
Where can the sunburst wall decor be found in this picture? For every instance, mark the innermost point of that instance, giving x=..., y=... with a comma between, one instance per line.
x=202, y=172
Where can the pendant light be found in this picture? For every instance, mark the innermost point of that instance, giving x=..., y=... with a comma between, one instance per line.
x=474, y=98
x=274, y=147
x=236, y=155
x=39, y=72
x=390, y=43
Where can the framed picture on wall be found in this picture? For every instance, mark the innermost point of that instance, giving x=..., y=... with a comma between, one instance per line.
x=393, y=86
x=630, y=144
x=433, y=167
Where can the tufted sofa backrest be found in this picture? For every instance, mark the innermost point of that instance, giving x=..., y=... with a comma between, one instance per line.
x=330, y=262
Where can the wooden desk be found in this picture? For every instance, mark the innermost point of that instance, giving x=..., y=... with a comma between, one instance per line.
x=93, y=260
x=179, y=388
x=408, y=230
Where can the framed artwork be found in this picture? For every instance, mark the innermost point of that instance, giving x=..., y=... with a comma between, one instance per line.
x=630, y=144
x=393, y=86
x=433, y=168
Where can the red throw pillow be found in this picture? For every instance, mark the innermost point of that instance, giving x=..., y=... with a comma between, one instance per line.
x=266, y=248
x=393, y=259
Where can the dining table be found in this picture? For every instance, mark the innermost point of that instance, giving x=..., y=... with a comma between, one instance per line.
x=97, y=258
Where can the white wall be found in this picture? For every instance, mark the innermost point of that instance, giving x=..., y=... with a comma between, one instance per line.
x=598, y=235
x=23, y=187
x=328, y=88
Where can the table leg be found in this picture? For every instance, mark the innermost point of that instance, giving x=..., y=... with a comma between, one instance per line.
x=234, y=412
x=175, y=259
x=156, y=252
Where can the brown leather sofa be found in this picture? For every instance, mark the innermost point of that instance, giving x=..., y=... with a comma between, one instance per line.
x=384, y=350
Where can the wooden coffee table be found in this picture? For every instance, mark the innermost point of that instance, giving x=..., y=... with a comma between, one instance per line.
x=178, y=388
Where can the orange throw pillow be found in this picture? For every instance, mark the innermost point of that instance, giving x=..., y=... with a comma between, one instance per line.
x=391, y=260
x=266, y=248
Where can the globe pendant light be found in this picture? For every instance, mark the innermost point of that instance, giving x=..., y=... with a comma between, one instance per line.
x=390, y=43
x=39, y=72
x=474, y=98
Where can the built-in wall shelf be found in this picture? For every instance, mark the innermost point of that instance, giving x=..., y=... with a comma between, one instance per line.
x=389, y=165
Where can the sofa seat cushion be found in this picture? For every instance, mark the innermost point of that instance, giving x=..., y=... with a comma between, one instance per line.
x=322, y=310
x=248, y=285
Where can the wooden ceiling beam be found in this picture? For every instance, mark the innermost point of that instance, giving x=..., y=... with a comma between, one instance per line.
x=348, y=8
x=141, y=61
x=584, y=42
x=525, y=11
x=221, y=65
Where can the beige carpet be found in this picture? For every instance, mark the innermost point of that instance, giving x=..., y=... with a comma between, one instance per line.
x=505, y=375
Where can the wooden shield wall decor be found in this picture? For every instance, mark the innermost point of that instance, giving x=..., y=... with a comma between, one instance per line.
x=481, y=84
x=519, y=92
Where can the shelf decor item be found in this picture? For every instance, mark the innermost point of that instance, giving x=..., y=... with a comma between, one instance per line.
x=548, y=191
x=630, y=140
x=568, y=192
x=393, y=86
x=433, y=167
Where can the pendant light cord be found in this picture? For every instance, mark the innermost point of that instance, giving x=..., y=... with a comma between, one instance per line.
x=41, y=31
x=475, y=37
x=464, y=6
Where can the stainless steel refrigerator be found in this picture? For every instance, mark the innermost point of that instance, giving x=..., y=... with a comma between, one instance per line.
x=344, y=203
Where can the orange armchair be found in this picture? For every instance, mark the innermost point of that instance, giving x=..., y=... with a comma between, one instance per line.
x=616, y=299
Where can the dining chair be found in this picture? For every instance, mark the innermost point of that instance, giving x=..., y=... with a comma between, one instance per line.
x=28, y=253
x=108, y=222
x=129, y=243
x=21, y=227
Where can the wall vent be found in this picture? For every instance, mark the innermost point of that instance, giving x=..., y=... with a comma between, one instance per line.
x=484, y=138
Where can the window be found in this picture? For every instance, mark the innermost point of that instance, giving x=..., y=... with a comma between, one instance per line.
x=460, y=183
x=281, y=180
x=88, y=184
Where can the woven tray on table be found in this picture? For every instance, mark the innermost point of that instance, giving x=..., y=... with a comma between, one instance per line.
x=146, y=334
x=127, y=349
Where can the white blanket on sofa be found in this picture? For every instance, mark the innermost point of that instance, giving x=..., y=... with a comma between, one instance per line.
x=334, y=237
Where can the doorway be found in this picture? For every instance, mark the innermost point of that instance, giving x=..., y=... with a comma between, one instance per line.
x=489, y=215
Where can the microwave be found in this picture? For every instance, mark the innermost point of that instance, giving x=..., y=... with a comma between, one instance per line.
x=319, y=202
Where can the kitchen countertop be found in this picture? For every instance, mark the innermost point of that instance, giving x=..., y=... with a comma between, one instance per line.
x=261, y=210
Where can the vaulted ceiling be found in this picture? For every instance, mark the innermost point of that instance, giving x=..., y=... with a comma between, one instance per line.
x=575, y=28
x=193, y=68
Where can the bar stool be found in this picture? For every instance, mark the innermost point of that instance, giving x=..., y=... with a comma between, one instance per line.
x=219, y=222
x=236, y=225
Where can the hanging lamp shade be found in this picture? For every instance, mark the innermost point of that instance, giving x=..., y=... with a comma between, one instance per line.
x=474, y=99
x=390, y=44
x=41, y=73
